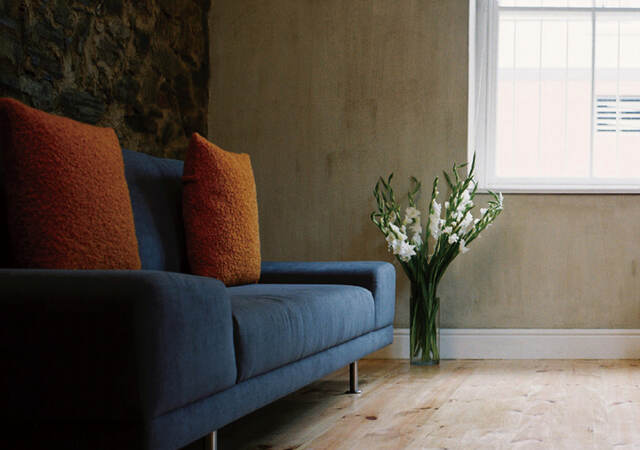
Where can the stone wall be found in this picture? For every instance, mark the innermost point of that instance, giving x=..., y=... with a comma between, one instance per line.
x=139, y=66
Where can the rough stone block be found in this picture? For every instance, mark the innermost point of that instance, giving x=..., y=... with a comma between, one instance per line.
x=141, y=66
x=82, y=106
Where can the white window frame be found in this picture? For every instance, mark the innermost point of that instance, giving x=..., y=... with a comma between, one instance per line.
x=483, y=36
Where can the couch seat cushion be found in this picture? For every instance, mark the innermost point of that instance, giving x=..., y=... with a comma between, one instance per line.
x=275, y=324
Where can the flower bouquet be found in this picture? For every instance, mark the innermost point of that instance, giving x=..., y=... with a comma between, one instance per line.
x=425, y=252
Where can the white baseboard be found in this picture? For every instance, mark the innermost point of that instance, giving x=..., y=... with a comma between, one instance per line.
x=524, y=343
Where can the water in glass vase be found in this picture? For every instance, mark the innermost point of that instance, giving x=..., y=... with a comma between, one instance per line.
x=424, y=325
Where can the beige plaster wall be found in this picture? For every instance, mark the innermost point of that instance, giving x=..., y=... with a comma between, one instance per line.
x=327, y=95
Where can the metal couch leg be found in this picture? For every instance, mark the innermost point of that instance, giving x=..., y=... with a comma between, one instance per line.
x=211, y=441
x=353, y=378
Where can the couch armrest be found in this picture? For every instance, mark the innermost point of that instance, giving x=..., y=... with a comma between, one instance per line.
x=111, y=344
x=376, y=276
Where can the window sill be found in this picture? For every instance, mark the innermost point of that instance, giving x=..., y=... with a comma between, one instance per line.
x=507, y=188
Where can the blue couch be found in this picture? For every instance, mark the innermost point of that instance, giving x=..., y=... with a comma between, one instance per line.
x=158, y=358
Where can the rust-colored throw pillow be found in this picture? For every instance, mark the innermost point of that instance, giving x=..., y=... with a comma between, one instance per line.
x=220, y=210
x=67, y=201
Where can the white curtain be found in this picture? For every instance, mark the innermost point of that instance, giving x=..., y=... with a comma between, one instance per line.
x=483, y=39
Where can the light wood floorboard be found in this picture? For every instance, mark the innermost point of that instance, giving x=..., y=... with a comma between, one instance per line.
x=497, y=404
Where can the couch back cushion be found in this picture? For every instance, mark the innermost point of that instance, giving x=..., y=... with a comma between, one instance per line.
x=156, y=195
x=221, y=214
x=66, y=200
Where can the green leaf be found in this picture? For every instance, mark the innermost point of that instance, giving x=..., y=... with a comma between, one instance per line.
x=446, y=177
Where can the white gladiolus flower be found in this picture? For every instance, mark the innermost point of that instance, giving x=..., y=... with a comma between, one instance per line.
x=446, y=205
x=416, y=230
x=447, y=230
x=465, y=197
x=395, y=237
x=406, y=252
x=395, y=246
x=397, y=241
x=453, y=239
x=483, y=211
x=465, y=202
x=399, y=232
x=435, y=223
x=437, y=208
x=390, y=240
x=466, y=222
x=463, y=249
x=403, y=250
x=434, y=228
x=416, y=227
x=411, y=213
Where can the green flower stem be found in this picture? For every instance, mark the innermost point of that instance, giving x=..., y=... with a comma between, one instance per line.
x=425, y=307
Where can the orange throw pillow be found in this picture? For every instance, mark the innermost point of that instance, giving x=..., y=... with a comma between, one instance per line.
x=67, y=201
x=220, y=210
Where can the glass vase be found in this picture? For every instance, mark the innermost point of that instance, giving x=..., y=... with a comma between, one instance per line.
x=424, y=324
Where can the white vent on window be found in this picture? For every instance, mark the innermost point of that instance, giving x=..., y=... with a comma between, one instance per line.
x=622, y=115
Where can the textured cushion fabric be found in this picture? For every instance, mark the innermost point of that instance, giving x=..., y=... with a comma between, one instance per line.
x=377, y=276
x=277, y=324
x=67, y=202
x=114, y=345
x=220, y=211
x=156, y=196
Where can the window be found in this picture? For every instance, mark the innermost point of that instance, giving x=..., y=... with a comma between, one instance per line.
x=555, y=95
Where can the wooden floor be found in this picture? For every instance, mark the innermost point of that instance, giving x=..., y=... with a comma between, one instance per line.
x=459, y=405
